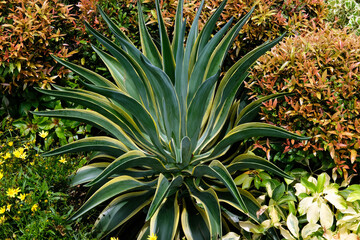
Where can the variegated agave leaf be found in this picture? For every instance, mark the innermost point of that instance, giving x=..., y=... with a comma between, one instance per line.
x=165, y=114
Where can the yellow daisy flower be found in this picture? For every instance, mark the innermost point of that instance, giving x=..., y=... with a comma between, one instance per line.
x=12, y=192
x=43, y=134
x=152, y=236
x=7, y=155
x=62, y=160
x=19, y=152
x=114, y=238
x=1, y=175
x=2, y=219
x=35, y=207
x=22, y=196
x=8, y=207
x=23, y=156
x=10, y=143
x=2, y=210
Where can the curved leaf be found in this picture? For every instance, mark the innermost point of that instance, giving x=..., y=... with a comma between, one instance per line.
x=198, y=74
x=178, y=37
x=210, y=203
x=251, y=203
x=145, y=232
x=197, y=109
x=165, y=221
x=122, y=72
x=125, y=42
x=166, y=51
x=229, y=86
x=94, y=119
x=193, y=223
x=218, y=170
x=120, y=210
x=125, y=59
x=136, y=109
x=149, y=48
x=209, y=26
x=107, y=145
x=112, y=188
x=218, y=56
x=128, y=160
x=86, y=73
x=254, y=129
x=162, y=191
x=87, y=173
x=101, y=105
x=251, y=161
x=166, y=98
x=251, y=110
x=191, y=48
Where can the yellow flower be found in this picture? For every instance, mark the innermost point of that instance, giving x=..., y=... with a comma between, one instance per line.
x=23, y=156
x=1, y=175
x=2, y=219
x=35, y=207
x=114, y=238
x=7, y=155
x=152, y=237
x=19, y=152
x=10, y=144
x=62, y=160
x=22, y=196
x=12, y=192
x=2, y=210
x=8, y=207
x=43, y=134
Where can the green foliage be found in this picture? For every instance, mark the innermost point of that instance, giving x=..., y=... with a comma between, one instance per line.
x=171, y=130
x=35, y=200
x=310, y=208
x=345, y=13
x=51, y=131
x=123, y=12
x=321, y=70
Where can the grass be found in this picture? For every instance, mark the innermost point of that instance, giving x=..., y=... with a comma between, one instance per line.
x=35, y=198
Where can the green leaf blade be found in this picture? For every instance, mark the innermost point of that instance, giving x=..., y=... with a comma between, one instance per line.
x=251, y=161
x=211, y=206
x=112, y=188
x=149, y=48
x=162, y=190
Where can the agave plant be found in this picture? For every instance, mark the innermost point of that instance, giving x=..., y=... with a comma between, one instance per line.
x=172, y=129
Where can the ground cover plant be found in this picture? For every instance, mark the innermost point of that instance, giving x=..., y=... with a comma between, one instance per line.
x=34, y=196
x=310, y=207
x=345, y=13
x=172, y=132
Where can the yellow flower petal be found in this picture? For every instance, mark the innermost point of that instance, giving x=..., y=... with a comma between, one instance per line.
x=152, y=236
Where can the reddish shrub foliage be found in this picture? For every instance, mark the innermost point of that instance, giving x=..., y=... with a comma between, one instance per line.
x=321, y=69
x=269, y=20
x=30, y=31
